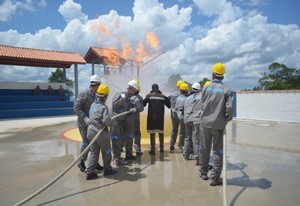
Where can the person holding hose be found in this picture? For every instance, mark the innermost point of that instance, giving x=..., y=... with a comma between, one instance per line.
x=81, y=108
x=137, y=123
x=99, y=118
x=217, y=110
x=123, y=128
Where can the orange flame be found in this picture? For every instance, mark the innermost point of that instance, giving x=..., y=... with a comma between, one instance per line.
x=127, y=52
x=141, y=52
x=152, y=40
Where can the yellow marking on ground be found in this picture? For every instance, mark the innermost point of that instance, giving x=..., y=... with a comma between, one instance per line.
x=74, y=135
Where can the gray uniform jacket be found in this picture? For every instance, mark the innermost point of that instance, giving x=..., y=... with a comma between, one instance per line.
x=140, y=99
x=197, y=109
x=189, y=107
x=99, y=117
x=172, y=99
x=179, y=106
x=217, y=105
x=120, y=104
x=82, y=106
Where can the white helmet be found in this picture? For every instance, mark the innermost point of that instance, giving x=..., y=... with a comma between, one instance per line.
x=196, y=86
x=133, y=84
x=95, y=79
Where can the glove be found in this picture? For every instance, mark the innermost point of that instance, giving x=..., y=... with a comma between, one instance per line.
x=87, y=121
x=123, y=95
x=132, y=110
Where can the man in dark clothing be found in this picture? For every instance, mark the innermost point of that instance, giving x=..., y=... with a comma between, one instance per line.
x=155, y=117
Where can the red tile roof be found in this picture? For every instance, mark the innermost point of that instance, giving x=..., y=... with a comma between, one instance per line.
x=21, y=56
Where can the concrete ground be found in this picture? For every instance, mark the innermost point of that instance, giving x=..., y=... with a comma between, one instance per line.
x=263, y=168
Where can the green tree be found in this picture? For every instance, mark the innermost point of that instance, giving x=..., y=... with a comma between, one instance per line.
x=58, y=77
x=280, y=77
x=171, y=84
x=203, y=81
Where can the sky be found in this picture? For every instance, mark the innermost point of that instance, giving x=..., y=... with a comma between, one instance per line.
x=185, y=37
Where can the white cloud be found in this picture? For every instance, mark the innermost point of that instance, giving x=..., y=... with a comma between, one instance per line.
x=9, y=8
x=247, y=44
x=71, y=10
x=222, y=9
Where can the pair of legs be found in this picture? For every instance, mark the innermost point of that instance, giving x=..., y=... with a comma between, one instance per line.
x=174, y=132
x=152, y=143
x=212, y=137
x=103, y=144
x=137, y=136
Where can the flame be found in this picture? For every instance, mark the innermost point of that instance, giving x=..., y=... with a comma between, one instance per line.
x=126, y=52
x=152, y=40
x=141, y=52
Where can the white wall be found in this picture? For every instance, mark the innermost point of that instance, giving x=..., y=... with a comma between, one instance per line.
x=29, y=85
x=269, y=105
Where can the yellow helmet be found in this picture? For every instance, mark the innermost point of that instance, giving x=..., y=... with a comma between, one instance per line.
x=184, y=87
x=218, y=69
x=138, y=84
x=103, y=89
x=207, y=83
x=179, y=82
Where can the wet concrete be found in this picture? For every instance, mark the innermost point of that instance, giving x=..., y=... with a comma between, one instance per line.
x=262, y=169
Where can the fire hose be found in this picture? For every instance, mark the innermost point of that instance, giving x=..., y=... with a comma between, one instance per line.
x=74, y=162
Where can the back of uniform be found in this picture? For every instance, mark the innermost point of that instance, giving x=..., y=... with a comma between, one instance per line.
x=217, y=110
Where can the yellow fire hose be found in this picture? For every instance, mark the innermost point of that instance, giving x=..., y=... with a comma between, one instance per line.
x=73, y=163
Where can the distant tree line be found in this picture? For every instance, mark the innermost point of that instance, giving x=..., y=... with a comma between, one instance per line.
x=279, y=77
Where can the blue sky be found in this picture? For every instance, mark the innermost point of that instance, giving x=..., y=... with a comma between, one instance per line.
x=247, y=36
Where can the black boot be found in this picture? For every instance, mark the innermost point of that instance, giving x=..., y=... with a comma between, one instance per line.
x=152, y=144
x=161, y=142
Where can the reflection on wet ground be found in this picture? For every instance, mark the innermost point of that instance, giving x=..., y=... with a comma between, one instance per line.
x=262, y=169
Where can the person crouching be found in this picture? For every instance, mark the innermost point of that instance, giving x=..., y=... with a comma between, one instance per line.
x=99, y=118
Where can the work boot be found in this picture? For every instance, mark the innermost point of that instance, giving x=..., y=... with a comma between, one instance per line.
x=215, y=182
x=81, y=166
x=109, y=171
x=99, y=167
x=204, y=176
x=119, y=161
x=91, y=176
x=186, y=156
x=172, y=148
x=139, y=153
x=130, y=157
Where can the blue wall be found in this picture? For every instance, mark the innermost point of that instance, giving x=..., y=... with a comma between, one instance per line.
x=22, y=103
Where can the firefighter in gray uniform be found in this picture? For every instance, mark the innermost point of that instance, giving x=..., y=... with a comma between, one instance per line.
x=81, y=108
x=191, y=146
x=123, y=128
x=99, y=118
x=197, y=129
x=217, y=110
x=179, y=109
x=137, y=123
x=174, y=117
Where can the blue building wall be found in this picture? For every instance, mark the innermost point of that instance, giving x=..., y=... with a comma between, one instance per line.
x=22, y=103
